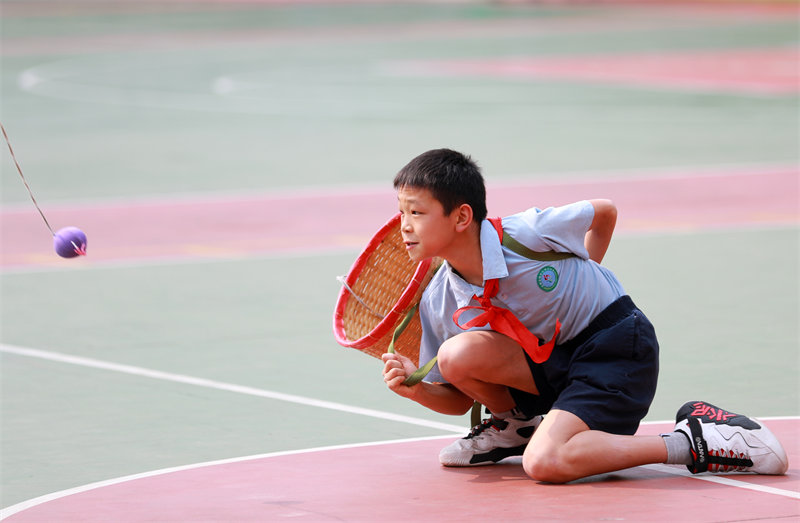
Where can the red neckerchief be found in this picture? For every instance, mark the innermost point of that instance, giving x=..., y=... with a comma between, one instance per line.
x=503, y=320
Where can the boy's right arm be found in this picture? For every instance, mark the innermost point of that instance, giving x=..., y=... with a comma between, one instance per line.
x=600, y=231
x=439, y=397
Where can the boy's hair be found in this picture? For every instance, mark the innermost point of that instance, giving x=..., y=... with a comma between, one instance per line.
x=453, y=179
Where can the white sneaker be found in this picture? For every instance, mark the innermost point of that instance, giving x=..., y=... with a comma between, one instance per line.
x=722, y=441
x=491, y=441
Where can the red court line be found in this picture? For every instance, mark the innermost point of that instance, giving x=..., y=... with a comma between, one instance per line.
x=320, y=221
x=748, y=71
x=403, y=481
x=637, y=16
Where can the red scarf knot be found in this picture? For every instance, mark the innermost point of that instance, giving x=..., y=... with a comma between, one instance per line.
x=503, y=320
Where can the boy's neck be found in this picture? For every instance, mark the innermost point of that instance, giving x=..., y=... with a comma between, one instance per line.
x=466, y=258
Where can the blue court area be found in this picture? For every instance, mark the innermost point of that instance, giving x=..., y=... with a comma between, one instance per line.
x=118, y=368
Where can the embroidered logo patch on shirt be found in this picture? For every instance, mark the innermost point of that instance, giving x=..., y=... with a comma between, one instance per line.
x=547, y=279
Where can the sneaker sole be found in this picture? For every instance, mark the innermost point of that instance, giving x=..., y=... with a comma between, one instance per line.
x=480, y=460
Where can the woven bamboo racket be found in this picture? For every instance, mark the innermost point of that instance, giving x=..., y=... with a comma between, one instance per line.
x=381, y=288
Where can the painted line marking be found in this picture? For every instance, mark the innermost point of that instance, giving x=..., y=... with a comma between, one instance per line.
x=724, y=481
x=33, y=502
x=755, y=71
x=514, y=180
x=226, y=387
x=250, y=231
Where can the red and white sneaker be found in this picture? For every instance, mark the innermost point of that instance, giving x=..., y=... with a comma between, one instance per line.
x=722, y=441
x=491, y=441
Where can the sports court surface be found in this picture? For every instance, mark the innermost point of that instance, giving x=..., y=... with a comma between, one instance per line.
x=228, y=160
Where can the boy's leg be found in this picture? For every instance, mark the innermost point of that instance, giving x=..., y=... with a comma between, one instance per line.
x=483, y=364
x=564, y=449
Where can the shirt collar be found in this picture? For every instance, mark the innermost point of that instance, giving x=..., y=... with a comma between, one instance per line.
x=494, y=266
x=494, y=263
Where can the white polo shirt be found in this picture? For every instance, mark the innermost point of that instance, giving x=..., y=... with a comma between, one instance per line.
x=574, y=290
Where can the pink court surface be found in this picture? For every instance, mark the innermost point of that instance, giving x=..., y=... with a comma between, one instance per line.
x=218, y=227
x=394, y=481
x=756, y=71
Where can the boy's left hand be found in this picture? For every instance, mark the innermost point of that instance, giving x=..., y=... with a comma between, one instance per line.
x=395, y=371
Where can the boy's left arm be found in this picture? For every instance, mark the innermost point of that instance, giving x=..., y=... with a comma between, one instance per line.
x=602, y=228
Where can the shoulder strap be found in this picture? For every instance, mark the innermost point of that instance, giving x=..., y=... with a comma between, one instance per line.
x=517, y=247
x=513, y=245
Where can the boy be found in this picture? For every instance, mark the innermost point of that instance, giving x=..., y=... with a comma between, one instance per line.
x=487, y=308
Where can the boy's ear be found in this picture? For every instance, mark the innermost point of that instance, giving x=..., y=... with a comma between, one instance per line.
x=463, y=216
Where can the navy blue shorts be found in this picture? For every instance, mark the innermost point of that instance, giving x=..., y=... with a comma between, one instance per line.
x=606, y=375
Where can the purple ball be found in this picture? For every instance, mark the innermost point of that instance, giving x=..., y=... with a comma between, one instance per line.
x=70, y=242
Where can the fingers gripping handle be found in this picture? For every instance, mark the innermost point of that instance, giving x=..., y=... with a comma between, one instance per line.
x=421, y=372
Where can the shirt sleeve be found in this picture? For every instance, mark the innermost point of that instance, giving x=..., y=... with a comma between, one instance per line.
x=560, y=229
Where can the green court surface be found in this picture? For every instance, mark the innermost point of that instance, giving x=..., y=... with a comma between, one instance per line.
x=111, y=101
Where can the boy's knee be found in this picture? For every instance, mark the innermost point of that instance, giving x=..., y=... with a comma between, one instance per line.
x=481, y=355
x=550, y=467
x=453, y=365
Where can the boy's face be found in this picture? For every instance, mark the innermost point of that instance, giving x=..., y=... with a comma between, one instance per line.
x=427, y=231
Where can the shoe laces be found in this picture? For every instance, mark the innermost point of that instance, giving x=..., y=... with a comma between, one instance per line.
x=728, y=461
x=496, y=423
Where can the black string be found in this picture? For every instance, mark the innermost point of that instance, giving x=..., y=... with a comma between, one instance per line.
x=19, y=170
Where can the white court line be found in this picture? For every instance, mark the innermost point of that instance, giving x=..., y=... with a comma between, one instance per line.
x=227, y=387
x=724, y=480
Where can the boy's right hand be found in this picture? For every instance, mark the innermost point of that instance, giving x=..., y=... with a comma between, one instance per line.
x=396, y=369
